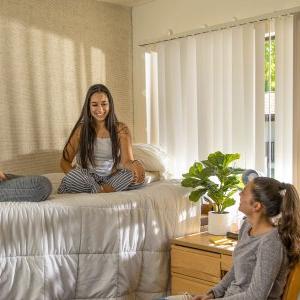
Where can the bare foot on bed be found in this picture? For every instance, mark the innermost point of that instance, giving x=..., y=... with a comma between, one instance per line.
x=106, y=188
x=2, y=176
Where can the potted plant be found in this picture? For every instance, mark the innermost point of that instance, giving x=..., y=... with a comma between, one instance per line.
x=218, y=181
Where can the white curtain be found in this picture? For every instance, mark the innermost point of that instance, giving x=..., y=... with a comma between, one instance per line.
x=210, y=96
x=284, y=99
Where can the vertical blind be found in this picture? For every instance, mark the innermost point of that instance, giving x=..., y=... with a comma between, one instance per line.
x=206, y=93
x=284, y=99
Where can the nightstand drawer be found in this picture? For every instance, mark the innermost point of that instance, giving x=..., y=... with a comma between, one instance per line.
x=196, y=263
x=226, y=262
x=181, y=284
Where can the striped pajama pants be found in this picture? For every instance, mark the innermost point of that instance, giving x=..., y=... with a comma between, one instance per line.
x=86, y=181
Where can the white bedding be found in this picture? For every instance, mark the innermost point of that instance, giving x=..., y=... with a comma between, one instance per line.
x=93, y=246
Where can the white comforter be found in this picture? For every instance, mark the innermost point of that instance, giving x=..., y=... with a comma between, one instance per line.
x=101, y=246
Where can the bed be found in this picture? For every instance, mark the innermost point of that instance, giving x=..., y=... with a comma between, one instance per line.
x=93, y=246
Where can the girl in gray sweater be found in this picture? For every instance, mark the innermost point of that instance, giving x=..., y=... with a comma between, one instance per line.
x=265, y=251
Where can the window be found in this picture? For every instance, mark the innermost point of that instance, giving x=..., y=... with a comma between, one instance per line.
x=270, y=104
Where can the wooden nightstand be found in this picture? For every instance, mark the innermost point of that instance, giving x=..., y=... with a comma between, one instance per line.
x=197, y=264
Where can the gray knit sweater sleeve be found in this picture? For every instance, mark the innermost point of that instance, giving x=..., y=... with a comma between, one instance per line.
x=221, y=287
x=269, y=259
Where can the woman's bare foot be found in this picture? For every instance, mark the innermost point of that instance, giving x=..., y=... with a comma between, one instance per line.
x=106, y=188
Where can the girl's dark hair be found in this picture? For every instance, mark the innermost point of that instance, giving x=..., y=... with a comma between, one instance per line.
x=281, y=198
x=87, y=126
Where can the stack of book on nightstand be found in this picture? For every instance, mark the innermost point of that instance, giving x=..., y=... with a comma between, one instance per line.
x=205, y=208
x=221, y=240
x=232, y=235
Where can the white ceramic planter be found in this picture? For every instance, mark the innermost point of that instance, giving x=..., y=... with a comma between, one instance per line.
x=218, y=224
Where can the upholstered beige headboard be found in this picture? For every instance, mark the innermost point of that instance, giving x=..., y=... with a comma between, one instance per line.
x=51, y=51
x=33, y=164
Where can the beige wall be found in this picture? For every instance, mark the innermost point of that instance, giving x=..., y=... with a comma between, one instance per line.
x=153, y=20
x=51, y=51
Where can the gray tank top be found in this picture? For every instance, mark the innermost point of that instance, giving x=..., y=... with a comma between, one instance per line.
x=103, y=157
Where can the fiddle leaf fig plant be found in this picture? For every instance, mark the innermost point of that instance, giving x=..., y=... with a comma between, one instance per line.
x=215, y=179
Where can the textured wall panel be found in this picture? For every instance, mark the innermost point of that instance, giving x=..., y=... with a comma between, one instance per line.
x=51, y=51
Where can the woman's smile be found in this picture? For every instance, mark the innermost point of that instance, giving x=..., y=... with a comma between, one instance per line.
x=99, y=106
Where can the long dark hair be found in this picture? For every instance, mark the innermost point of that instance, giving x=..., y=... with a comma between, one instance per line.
x=88, y=133
x=281, y=198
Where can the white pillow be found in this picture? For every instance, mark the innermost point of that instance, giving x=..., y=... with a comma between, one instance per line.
x=151, y=176
x=152, y=157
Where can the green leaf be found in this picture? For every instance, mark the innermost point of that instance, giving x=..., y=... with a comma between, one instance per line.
x=210, y=185
x=235, y=171
x=216, y=158
x=216, y=195
x=232, y=192
x=207, y=163
x=190, y=182
x=207, y=172
x=185, y=175
x=230, y=182
x=229, y=158
x=196, y=169
x=192, y=171
x=197, y=194
x=227, y=203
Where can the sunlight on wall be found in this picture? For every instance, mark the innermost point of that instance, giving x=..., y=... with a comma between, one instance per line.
x=42, y=86
x=98, y=65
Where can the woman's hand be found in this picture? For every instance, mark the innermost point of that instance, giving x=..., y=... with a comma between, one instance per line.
x=137, y=169
x=2, y=176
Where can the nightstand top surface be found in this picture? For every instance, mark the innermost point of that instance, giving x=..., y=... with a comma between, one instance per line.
x=201, y=241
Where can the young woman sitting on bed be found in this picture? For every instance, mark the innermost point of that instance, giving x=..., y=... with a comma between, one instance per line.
x=24, y=188
x=265, y=251
x=102, y=148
